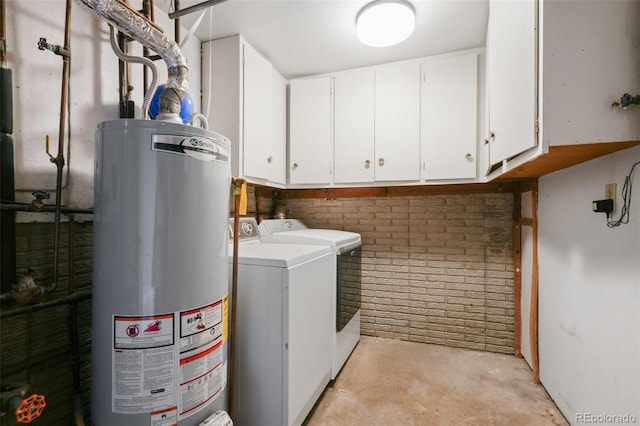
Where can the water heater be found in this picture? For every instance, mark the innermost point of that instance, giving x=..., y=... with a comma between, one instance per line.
x=160, y=280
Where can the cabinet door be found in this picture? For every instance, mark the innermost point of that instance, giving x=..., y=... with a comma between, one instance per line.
x=277, y=159
x=310, y=141
x=511, y=58
x=353, y=126
x=397, y=122
x=449, y=117
x=257, y=123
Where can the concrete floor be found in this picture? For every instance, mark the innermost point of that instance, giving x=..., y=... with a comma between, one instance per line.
x=390, y=382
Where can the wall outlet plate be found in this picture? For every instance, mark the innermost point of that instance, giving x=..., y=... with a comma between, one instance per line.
x=610, y=193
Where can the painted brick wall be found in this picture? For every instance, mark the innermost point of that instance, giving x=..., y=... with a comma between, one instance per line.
x=436, y=269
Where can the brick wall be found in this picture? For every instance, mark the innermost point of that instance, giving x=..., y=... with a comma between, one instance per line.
x=436, y=269
x=36, y=345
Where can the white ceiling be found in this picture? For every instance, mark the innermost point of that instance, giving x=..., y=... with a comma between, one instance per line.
x=307, y=37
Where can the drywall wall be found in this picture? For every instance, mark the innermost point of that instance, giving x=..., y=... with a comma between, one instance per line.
x=93, y=92
x=589, y=305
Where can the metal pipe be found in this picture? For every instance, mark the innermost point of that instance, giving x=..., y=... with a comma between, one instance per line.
x=59, y=160
x=138, y=60
x=237, y=183
x=147, y=11
x=177, y=13
x=176, y=24
x=78, y=412
x=141, y=29
x=76, y=297
x=3, y=35
x=22, y=207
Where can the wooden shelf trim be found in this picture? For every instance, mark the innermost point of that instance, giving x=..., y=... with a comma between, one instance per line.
x=561, y=157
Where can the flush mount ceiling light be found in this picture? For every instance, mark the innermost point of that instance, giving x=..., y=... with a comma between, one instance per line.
x=384, y=23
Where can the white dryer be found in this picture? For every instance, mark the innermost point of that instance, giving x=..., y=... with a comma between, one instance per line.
x=345, y=281
x=283, y=329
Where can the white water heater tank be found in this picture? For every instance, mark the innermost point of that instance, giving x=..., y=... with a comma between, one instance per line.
x=160, y=278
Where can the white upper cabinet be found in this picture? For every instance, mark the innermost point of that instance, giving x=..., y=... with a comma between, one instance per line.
x=246, y=98
x=449, y=117
x=397, y=122
x=277, y=160
x=354, y=126
x=511, y=60
x=310, y=141
x=590, y=58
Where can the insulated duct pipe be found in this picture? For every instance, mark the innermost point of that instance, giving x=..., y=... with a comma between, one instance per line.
x=136, y=26
x=7, y=174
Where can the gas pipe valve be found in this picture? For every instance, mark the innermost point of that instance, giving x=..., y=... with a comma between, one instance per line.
x=30, y=408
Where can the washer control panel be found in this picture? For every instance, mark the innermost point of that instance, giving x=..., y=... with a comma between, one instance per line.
x=248, y=229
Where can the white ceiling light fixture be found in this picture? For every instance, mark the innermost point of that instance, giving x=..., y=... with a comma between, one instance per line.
x=384, y=23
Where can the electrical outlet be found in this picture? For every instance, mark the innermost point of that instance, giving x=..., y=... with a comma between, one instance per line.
x=610, y=193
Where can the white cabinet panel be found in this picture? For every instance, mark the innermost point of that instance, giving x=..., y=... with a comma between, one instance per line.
x=354, y=126
x=277, y=159
x=397, y=122
x=511, y=58
x=310, y=144
x=257, y=123
x=449, y=117
x=247, y=99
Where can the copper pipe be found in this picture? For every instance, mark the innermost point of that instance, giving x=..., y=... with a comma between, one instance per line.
x=59, y=160
x=237, y=184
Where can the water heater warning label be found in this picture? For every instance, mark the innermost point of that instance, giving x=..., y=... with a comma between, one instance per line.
x=169, y=365
x=143, y=370
x=202, y=376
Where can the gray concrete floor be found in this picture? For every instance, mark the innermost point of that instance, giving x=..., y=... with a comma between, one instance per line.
x=391, y=382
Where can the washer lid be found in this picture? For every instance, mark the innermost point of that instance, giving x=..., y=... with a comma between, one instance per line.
x=279, y=255
x=330, y=237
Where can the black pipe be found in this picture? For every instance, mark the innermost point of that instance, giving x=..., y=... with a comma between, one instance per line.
x=7, y=168
x=47, y=208
x=76, y=297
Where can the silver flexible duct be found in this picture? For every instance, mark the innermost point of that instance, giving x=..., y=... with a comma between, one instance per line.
x=129, y=22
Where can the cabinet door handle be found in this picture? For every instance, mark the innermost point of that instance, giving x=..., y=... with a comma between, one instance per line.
x=381, y=161
x=469, y=156
x=367, y=163
x=294, y=166
x=492, y=136
x=270, y=160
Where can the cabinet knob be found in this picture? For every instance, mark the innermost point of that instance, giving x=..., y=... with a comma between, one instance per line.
x=492, y=136
x=270, y=160
x=469, y=156
x=381, y=161
x=294, y=166
x=367, y=163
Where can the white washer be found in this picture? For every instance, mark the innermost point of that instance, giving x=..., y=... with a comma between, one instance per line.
x=345, y=282
x=283, y=330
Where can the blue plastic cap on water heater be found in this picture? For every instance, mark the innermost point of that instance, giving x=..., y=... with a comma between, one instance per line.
x=186, y=105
